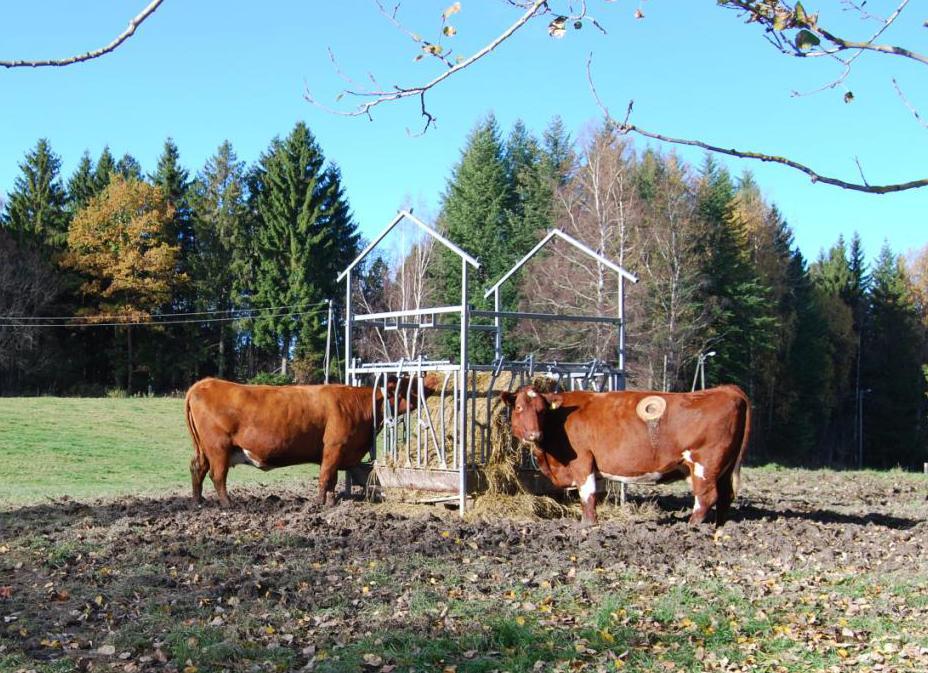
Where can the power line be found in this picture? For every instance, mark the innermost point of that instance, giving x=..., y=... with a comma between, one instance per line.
x=164, y=322
x=153, y=315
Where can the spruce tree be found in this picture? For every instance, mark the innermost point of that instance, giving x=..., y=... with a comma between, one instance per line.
x=129, y=168
x=35, y=212
x=477, y=214
x=532, y=207
x=304, y=236
x=558, y=149
x=81, y=187
x=740, y=328
x=103, y=173
x=220, y=258
x=892, y=385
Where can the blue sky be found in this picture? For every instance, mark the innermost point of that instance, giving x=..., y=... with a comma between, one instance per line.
x=207, y=71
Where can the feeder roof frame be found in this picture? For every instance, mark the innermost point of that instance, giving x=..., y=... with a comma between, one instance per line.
x=574, y=242
x=400, y=216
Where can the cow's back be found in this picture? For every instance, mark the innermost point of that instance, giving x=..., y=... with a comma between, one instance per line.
x=278, y=425
x=608, y=426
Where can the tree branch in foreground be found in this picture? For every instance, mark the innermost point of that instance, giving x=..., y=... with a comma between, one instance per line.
x=625, y=126
x=379, y=97
x=87, y=56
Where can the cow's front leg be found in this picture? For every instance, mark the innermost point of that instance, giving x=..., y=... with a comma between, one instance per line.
x=588, y=499
x=705, y=495
x=328, y=474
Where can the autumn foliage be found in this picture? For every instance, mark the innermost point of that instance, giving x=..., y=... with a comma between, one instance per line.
x=119, y=243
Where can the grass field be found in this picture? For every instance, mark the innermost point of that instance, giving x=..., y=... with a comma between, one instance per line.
x=88, y=447
x=818, y=571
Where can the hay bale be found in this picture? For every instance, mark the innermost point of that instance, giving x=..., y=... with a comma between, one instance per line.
x=499, y=456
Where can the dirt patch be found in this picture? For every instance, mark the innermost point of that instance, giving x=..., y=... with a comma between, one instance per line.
x=279, y=583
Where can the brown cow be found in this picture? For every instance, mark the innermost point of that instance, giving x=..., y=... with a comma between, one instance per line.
x=638, y=437
x=275, y=426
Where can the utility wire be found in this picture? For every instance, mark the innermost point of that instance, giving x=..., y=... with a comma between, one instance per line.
x=162, y=322
x=153, y=315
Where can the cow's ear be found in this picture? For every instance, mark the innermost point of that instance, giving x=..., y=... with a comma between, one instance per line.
x=509, y=399
x=554, y=400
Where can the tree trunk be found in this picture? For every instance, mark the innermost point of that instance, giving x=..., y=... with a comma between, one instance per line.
x=222, y=353
x=129, y=360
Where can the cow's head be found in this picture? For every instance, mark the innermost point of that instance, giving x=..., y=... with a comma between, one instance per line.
x=527, y=410
x=408, y=388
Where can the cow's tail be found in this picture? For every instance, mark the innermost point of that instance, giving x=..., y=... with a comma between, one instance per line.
x=192, y=428
x=745, y=439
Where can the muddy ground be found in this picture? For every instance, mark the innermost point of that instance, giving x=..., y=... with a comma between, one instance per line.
x=816, y=571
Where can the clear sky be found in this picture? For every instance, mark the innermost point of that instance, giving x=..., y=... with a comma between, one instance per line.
x=207, y=71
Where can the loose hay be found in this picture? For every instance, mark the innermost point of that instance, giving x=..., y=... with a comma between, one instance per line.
x=498, y=489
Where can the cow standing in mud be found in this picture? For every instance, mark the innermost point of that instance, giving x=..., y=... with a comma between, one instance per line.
x=276, y=426
x=638, y=437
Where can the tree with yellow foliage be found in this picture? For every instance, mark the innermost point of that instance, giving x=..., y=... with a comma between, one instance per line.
x=119, y=243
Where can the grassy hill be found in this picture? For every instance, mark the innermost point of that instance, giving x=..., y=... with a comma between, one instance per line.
x=88, y=447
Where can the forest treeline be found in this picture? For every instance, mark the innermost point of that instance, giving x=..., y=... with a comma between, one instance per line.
x=112, y=279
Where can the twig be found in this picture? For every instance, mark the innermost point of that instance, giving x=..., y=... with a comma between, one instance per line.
x=381, y=96
x=906, y=102
x=125, y=35
x=626, y=127
x=816, y=177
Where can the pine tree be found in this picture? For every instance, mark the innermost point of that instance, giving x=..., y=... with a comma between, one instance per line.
x=106, y=167
x=532, y=208
x=740, y=328
x=894, y=389
x=81, y=186
x=174, y=182
x=35, y=212
x=477, y=214
x=129, y=168
x=559, y=157
x=304, y=236
x=831, y=276
x=219, y=265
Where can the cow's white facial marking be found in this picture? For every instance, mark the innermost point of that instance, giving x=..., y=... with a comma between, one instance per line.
x=531, y=393
x=588, y=488
x=688, y=456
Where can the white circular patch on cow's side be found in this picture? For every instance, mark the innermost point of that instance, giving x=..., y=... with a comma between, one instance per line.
x=651, y=408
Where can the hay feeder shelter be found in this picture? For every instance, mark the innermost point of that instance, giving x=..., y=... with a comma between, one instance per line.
x=443, y=446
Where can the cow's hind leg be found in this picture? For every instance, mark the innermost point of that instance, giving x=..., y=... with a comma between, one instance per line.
x=199, y=466
x=218, y=470
x=328, y=474
x=726, y=492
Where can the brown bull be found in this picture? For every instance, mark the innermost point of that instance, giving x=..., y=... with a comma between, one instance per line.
x=638, y=437
x=275, y=426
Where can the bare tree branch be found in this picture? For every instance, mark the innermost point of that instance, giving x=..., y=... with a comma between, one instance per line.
x=742, y=154
x=87, y=56
x=625, y=126
x=906, y=102
x=378, y=97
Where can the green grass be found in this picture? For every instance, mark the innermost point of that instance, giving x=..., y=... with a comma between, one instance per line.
x=91, y=447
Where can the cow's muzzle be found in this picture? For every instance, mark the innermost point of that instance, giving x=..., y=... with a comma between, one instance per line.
x=534, y=436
